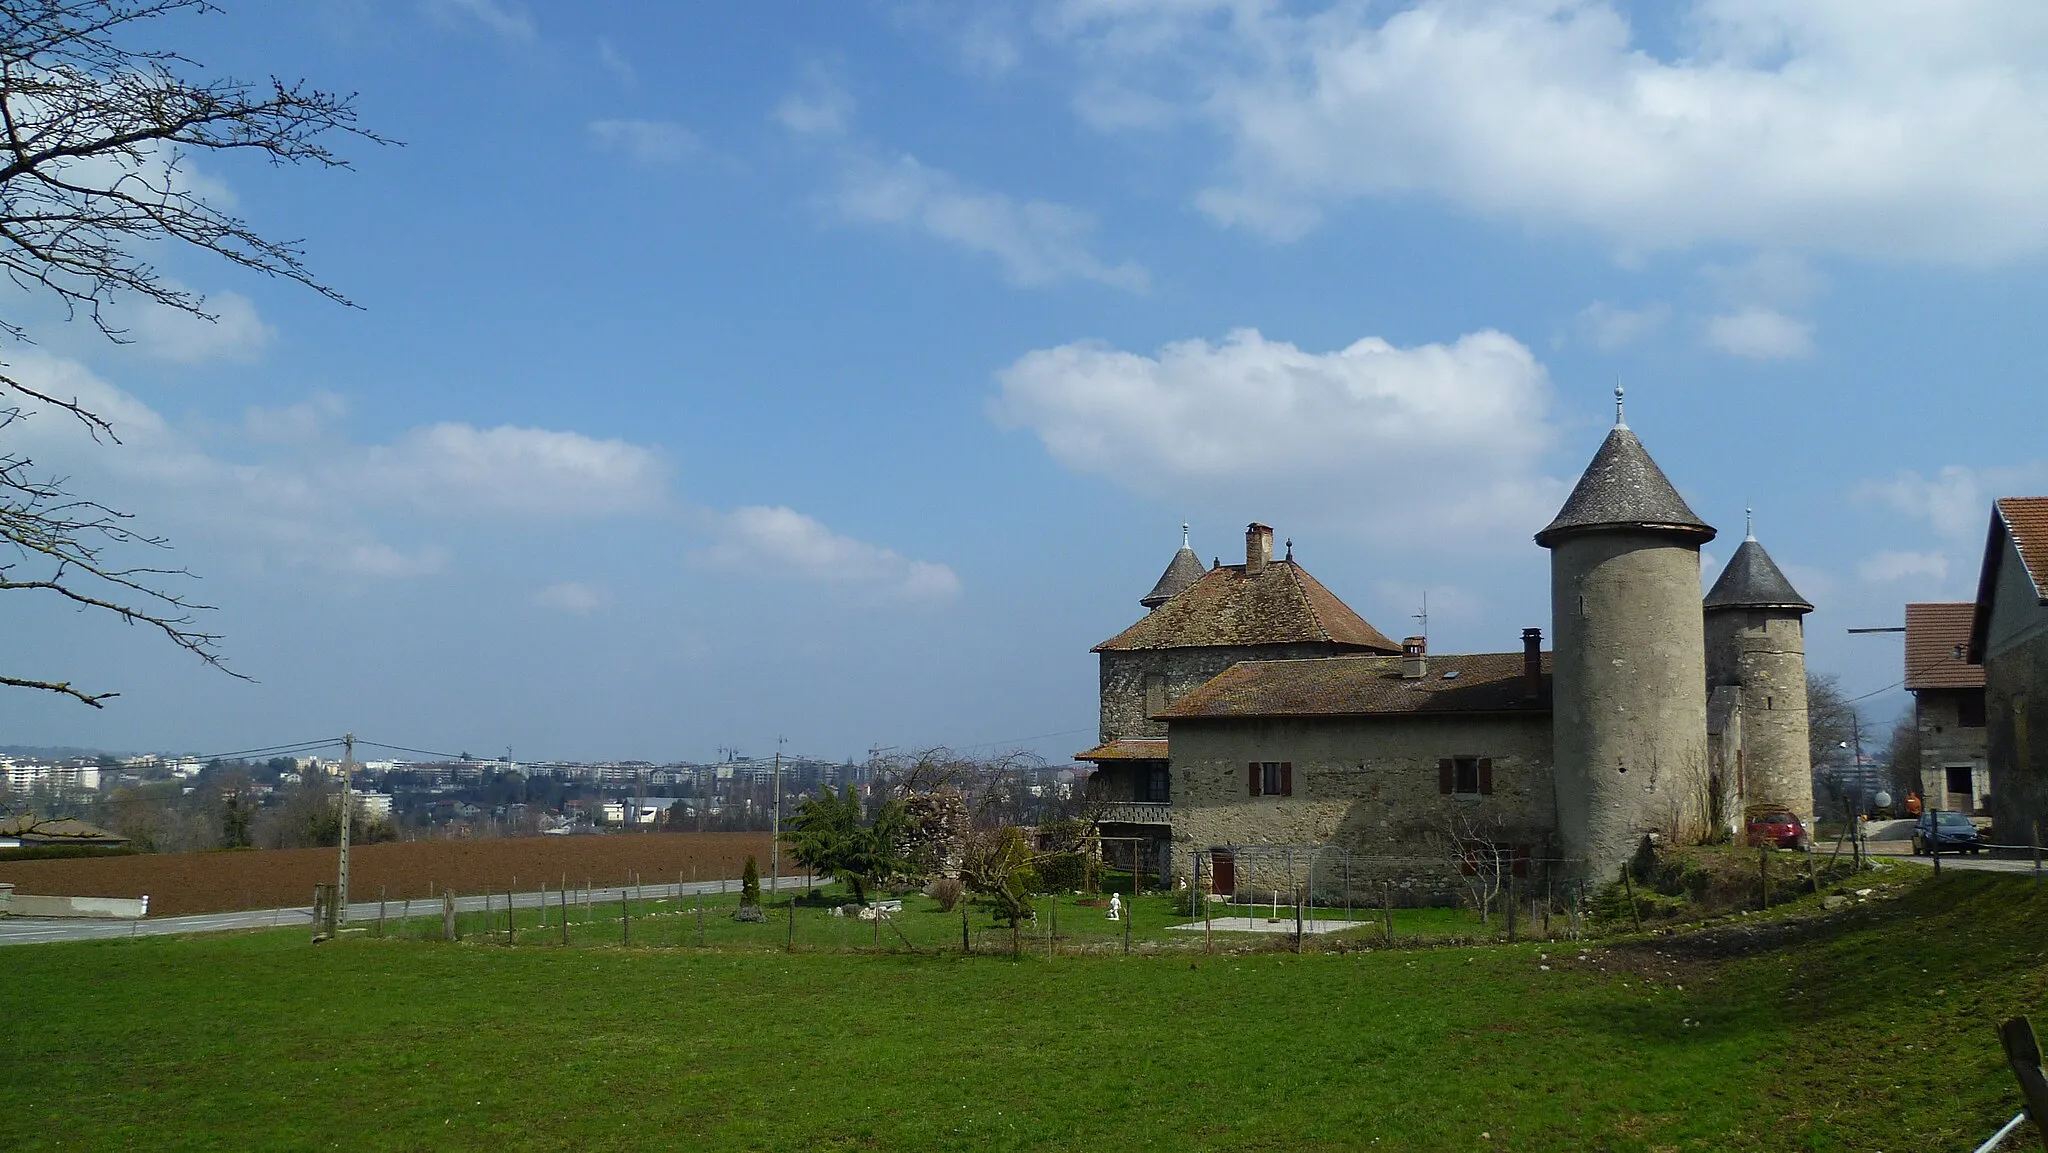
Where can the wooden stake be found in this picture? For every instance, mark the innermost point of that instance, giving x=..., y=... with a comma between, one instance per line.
x=1630, y=887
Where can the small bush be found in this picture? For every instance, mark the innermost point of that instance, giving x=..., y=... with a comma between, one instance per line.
x=947, y=891
x=750, y=884
x=1064, y=872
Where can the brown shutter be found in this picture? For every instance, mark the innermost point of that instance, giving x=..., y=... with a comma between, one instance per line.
x=1286, y=778
x=1486, y=775
x=1446, y=776
x=1254, y=775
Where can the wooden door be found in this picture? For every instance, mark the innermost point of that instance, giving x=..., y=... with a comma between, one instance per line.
x=1223, y=872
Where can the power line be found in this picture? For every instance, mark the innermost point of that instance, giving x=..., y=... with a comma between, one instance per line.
x=274, y=750
x=420, y=752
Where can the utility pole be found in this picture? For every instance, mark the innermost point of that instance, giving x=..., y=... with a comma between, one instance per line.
x=775, y=827
x=348, y=770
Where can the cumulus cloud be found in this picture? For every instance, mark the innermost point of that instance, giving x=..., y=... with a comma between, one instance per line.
x=1612, y=327
x=822, y=107
x=1884, y=567
x=507, y=20
x=236, y=333
x=1036, y=242
x=1439, y=440
x=1873, y=129
x=1956, y=500
x=459, y=468
x=782, y=542
x=572, y=597
x=294, y=423
x=1760, y=334
x=648, y=141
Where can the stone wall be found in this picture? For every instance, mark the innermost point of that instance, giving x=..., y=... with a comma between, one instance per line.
x=1362, y=786
x=2015, y=707
x=1140, y=682
x=1764, y=653
x=1629, y=693
x=1945, y=741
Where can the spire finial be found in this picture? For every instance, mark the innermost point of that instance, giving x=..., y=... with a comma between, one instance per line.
x=1183, y=534
x=1749, y=524
x=1290, y=548
x=1619, y=422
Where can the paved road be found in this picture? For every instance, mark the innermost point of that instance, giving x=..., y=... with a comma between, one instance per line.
x=34, y=930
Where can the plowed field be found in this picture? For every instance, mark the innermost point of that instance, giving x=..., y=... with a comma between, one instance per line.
x=177, y=883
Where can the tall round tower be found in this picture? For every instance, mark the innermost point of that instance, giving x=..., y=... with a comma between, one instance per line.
x=1629, y=704
x=1756, y=642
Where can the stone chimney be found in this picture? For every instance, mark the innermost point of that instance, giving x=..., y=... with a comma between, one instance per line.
x=1532, y=663
x=1414, y=658
x=1258, y=548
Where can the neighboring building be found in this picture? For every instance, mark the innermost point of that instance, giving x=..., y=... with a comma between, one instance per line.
x=1252, y=715
x=1948, y=706
x=28, y=831
x=2009, y=637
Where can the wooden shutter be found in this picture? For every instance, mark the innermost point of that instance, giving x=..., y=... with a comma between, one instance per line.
x=1446, y=776
x=1486, y=775
x=1286, y=778
x=1254, y=775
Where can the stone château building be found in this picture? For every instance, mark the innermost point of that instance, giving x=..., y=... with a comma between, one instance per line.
x=1251, y=713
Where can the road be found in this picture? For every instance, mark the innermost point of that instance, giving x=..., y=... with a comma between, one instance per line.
x=37, y=930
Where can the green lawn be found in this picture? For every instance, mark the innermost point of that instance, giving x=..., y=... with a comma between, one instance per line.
x=1876, y=1033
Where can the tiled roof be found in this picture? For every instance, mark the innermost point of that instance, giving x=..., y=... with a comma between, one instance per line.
x=1624, y=488
x=1282, y=605
x=64, y=830
x=1125, y=750
x=1753, y=581
x=1366, y=686
x=2024, y=519
x=1933, y=633
x=1181, y=573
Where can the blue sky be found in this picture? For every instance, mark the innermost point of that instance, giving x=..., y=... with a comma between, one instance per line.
x=844, y=372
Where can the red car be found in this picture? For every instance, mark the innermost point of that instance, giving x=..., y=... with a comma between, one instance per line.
x=1782, y=829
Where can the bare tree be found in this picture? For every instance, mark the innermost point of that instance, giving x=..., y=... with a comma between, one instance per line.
x=95, y=133
x=1478, y=852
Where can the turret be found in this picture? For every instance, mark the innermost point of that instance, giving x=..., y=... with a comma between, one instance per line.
x=1629, y=702
x=1181, y=572
x=1756, y=644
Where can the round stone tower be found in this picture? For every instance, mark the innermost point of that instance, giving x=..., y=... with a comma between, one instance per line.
x=1756, y=644
x=1629, y=711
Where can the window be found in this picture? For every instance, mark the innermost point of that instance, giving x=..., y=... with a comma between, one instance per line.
x=1158, y=784
x=1959, y=779
x=1970, y=709
x=1465, y=776
x=1271, y=778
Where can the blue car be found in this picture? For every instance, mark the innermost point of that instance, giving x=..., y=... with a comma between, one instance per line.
x=1955, y=834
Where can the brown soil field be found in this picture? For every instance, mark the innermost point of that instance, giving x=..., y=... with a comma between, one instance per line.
x=178, y=883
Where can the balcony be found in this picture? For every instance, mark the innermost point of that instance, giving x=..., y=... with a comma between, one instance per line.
x=1133, y=813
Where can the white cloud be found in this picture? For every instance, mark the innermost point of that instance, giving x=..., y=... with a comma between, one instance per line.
x=573, y=597
x=782, y=542
x=294, y=423
x=235, y=334
x=381, y=561
x=616, y=63
x=1955, y=501
x=822, y=108
x=648, y=141
x=507, y=20
x=1036, y=242
x=1438, y=440
x=1882, y=567
x=1613, y=327
x=1760, y=334
x=1878, y=128
x=459, y=468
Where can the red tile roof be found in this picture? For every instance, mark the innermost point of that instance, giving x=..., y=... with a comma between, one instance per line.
x=1282, y=605
x=1125, y=750
x=1934, y=631
x=2023, y=519
x=1366, y=686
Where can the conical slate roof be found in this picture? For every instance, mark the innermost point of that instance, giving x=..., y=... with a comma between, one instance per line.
x=1623, y=488
x=1753, y=581
x=1181, y=572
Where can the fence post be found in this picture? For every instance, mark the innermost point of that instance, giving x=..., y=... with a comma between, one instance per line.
x=790, y=946
x=1763, y=874
x=1387, y=910
x=700, y=922
x=1812, y=875
x=511, y=919
x=2023, y=1054
x=562, y=907
x=625, y=920
x=380, y=912
x=319, y=903
x=2034, y=836
x=1629, y=886
x=448, y=915
x=1514, y=898
x=966, y=945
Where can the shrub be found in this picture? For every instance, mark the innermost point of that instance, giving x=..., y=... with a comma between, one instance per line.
x=947, y=891
x=1064, y=872
x=750, y=884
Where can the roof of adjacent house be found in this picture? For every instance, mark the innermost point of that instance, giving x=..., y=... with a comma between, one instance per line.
x=1366, y=686
x=2023, y=520
x=1181, y=573
x=1934, y=631
x=1125, y=750
x=1753, y=580
x=1228, y=607
x=1624, y=488
x=60, y=830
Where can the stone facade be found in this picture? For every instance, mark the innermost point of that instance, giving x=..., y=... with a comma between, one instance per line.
x=1629, y=701
x=1365, y=786
x=1952, y=752
x=1762, y=653
x=2014, y=652
x=1139, y=683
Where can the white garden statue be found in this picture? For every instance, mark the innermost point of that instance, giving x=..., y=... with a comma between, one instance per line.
x=1116, y=906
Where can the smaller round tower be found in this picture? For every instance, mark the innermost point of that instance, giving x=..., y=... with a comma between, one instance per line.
x=1756, y=644
x=1181, y=573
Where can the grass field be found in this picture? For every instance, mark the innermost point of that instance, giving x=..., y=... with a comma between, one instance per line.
x=1871, y=1030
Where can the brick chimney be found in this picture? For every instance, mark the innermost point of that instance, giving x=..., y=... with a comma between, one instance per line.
x=1258, y=548
x=1532, y=663
x=1414, y=658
